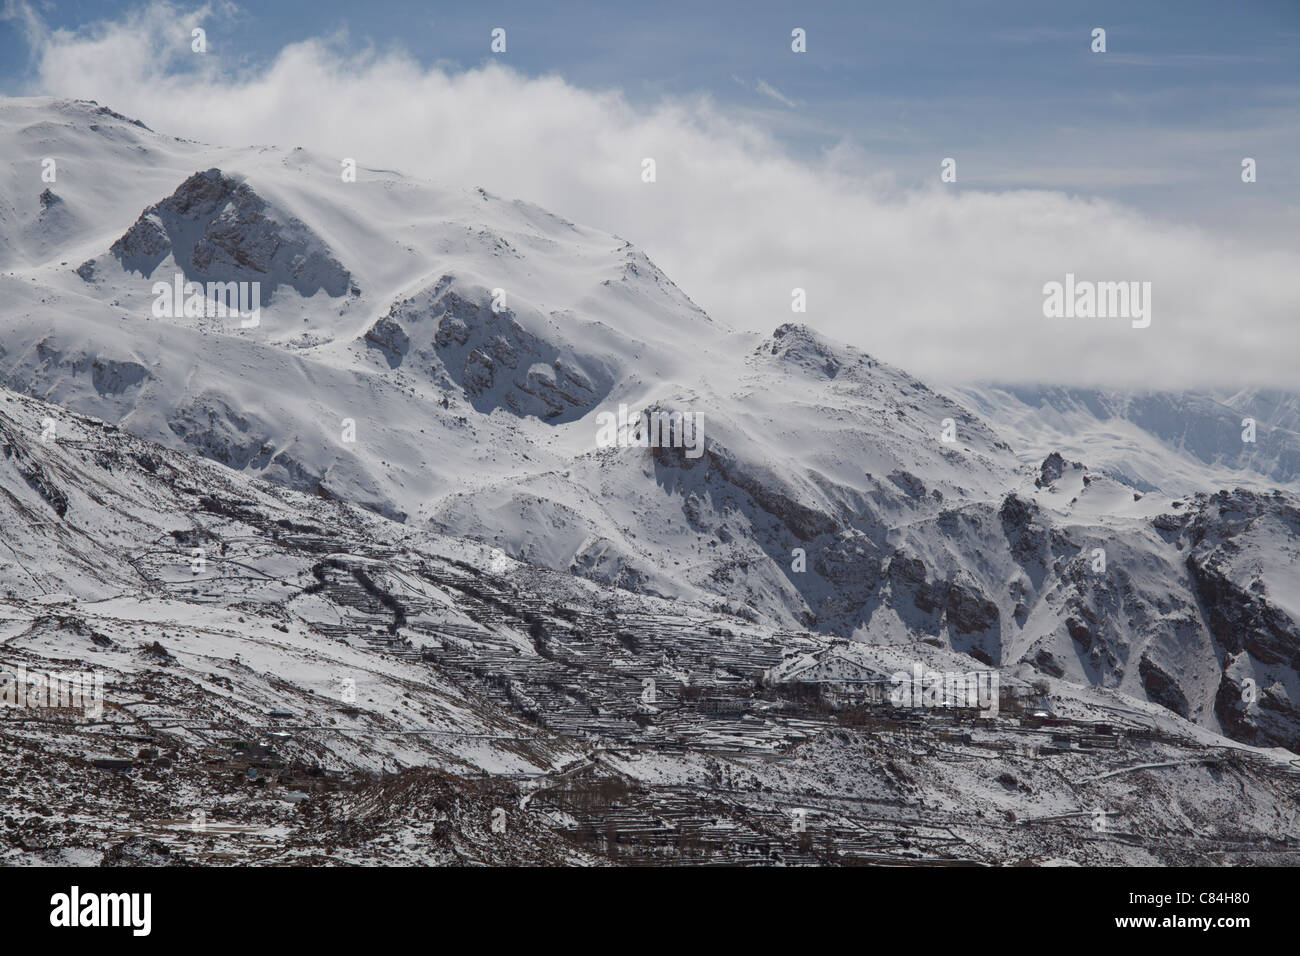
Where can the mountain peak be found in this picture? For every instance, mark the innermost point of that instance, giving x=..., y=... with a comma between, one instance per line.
x=216, y=227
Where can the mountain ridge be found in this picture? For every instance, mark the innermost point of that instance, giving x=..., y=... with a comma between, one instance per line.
x=440, y=357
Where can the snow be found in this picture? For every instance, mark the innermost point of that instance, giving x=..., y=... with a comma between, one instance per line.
x=422, y=395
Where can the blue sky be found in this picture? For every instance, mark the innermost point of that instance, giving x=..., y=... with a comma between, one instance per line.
x=1011, y=89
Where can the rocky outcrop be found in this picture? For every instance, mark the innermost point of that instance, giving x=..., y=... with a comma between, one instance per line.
x=1161, y=687
x=455, y=335
x=112, y=377
x=1257, y=698
x=390, y=339
x=219, y=229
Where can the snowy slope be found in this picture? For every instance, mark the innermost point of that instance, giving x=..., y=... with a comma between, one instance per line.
x=482, y=421
x=499, y=714
x=444, y=357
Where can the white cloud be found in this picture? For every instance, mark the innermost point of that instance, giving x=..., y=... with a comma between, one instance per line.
x=771, y=91
x=943, y=281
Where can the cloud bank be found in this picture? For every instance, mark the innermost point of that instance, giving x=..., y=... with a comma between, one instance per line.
x=943, y=281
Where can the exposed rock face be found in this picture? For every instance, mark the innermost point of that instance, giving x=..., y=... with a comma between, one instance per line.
x=112, y=377
x=972, y=619
x=802, y=521
x=478, y=375
x=969, y=611
x=1161, y=687
x=1257, y=699
x=214, y=430
x=797, y=344
x=219, y=229
x=1052, y=469
x=142, y=247
x=14, y=449
x=387, y=336
x=597, y=560
x=453, y=334
x=107, y=113
x=909, y=483
x=907, y=576
x=1027, y=535
x=851, y=560
x=498, y=360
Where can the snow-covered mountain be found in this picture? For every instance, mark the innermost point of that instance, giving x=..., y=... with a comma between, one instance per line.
x=287, y=679
x=1174, y=442
x=448, y=360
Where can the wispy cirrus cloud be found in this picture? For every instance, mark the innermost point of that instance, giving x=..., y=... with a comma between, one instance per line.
x=773, y=93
